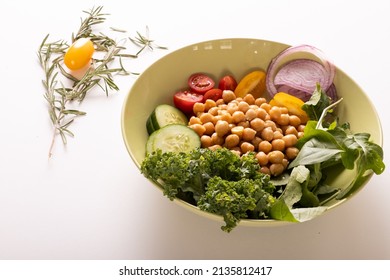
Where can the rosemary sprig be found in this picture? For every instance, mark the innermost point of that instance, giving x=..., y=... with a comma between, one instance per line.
x=144, y=42
x=58, y=94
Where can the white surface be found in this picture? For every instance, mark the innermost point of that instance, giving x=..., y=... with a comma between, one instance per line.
x=90, y=202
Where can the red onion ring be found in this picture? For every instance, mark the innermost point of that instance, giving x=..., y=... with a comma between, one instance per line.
x=299, y=76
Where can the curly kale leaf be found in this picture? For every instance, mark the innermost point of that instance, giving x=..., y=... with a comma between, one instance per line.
x=234, y=200
x=218, y=181
x=177, y=172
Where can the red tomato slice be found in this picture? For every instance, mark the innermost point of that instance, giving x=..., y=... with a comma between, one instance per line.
x=227, y=83
x=200, y=83
x=185, y=100
x=214, y=94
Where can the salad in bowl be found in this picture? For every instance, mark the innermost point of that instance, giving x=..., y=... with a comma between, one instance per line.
x=252, y=132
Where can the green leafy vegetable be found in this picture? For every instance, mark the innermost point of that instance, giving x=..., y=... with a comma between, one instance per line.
x=328, y=143
x=218, y=181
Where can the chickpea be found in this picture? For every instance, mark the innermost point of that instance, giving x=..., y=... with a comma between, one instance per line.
x=267, y=134
x=228, y=95
x=194, y=120
x=206, y=117
x=249, y=99
x=244, y=124
x=238, y=130
x=210, y=128
x=270, y=124
x=291, y=130
x=232, y=108
x=209, y=103
x=206, y=141
x=285, y=163
x=221, y=127
x=278, y=134
x=215, y=147
x=291, y=152
x=260, y=101
x=247, y=147
x=290, y=140
x=250, y=114
x=301, y=128
x=213, y=111
x=300, y=134
x=262, y=158
x=284, y=119
x=275, y=113
x=265, y=170
x=262, y=114
x=265, y=146
x=248, y=134
x=216, y=139
x=237, y=151
x=219, y=102
x=275, y=157
x=225, y=116
x=238, y=117
x=256, y=141
x=198, y=108
x=278, y=145
x=232, y=141
x=276, y=169
x=198, y=128
x=266, y=107
x=284, y=110
x=294, y=120
x=243, y=106
x=257, y=124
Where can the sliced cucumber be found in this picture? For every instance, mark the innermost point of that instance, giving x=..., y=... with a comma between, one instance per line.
x=149, y=125
x=173, y=138
x=164, y=115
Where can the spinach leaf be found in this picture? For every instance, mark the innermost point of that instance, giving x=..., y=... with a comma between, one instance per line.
x=368, y=161
x=317, y=103
x=280, y=211
x=316, y=151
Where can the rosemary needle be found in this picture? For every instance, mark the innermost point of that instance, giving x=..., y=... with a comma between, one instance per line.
x=51, y=58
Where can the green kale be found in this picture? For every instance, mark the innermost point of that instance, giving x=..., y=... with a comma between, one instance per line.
x=216, y=181
x=234, y=199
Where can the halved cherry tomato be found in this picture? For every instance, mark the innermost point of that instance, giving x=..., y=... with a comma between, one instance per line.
x=185, y=100
x=253, y=83
x=227, y=82
x=214, y=94
x=200, y=83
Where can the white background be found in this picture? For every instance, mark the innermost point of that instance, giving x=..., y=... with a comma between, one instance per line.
x=90, y=202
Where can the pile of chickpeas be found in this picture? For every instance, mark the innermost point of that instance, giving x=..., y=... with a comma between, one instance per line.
x=249, y=125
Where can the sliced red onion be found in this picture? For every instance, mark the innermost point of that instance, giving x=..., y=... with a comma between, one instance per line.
x=299, y=76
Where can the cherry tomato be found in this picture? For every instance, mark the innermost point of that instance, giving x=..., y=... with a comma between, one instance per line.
x=227, y=83
x=214, y=94
x=79, y=54
x=185, y=100
x=253, y=83
x=200, y=83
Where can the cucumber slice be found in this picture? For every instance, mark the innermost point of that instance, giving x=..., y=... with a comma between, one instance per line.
x=173, y=138
x=165, y=114
x=149, y=125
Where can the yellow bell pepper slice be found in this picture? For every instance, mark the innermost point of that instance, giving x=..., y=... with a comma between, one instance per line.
x=292, y=103
x=253, y=83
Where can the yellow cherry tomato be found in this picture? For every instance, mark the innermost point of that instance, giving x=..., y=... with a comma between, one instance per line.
x=253, y=83
x=79, y=54
x=292, y=103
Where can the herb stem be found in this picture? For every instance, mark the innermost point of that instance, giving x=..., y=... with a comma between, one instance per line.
x=325, y=111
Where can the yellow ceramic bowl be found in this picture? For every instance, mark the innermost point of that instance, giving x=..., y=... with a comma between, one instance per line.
x=158, y=83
